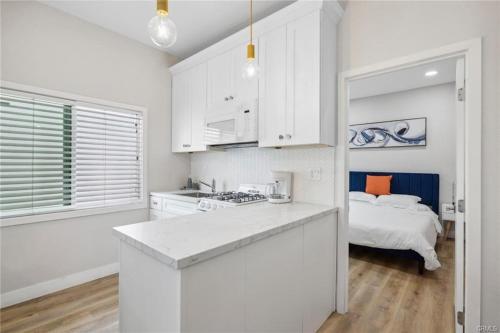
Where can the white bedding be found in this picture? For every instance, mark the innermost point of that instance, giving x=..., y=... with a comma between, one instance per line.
x=395, y=228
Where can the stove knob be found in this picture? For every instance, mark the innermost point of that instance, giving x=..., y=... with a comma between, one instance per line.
x=202, y=204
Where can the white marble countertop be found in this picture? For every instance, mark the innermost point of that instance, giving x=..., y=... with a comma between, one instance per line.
x=177, y=195
x=185, y=240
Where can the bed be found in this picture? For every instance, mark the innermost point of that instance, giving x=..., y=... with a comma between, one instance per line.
x=405, y=232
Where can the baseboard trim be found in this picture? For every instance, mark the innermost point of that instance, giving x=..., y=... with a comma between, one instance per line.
x=47, y=287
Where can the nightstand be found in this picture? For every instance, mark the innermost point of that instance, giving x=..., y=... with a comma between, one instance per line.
x=448, y=218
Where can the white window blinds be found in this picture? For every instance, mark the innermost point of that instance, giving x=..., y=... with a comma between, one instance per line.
x=35, y=155
x=108, y=155
x=65, y=155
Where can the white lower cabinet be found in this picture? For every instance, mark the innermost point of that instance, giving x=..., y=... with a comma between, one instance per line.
x=283, y=283
x=161, y=207
x=158, y=215
x=189, y=103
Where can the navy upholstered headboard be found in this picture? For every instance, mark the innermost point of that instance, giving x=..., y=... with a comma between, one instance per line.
x=424, y=185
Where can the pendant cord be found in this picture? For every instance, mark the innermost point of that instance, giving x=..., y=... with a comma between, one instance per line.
x=251, y=21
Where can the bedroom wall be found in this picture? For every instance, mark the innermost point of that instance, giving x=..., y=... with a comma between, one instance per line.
x=376, y=31
x=437, y=104
x=61, y=52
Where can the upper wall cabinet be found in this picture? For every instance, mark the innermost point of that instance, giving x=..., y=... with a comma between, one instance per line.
x=272, y=88
x=226, y=87
x=189, y=103
x=296, y=90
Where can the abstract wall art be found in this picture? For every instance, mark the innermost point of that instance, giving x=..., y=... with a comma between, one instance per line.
x=389, y=134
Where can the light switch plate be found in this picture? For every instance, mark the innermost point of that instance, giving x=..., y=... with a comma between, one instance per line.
x=315, y=174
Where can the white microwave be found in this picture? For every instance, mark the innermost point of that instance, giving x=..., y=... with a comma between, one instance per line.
x=238, y=126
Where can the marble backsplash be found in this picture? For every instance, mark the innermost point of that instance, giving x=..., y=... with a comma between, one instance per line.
x=253, y=165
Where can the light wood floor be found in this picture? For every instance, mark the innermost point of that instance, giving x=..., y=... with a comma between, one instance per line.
x=386, y=295
x=90, y=307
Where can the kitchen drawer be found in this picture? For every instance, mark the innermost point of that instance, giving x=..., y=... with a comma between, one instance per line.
x=165, y=205
x=155, y=203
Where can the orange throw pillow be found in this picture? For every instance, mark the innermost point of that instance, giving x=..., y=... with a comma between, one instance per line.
x=378, y=185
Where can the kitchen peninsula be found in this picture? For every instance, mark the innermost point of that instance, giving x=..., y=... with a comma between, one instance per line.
x=252, y=268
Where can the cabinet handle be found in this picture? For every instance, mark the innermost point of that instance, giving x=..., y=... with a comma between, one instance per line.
x=288, y=136
x=185, y=145
x=280, y=137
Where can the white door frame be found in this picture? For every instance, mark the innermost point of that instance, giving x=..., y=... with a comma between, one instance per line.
x=471, y=51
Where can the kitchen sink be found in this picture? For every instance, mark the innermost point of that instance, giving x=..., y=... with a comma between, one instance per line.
x=196, y=195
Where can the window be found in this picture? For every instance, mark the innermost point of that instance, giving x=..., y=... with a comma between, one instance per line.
x=108, y=154
x=60, y=155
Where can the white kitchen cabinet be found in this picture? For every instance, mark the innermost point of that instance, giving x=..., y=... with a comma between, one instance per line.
x=296, y=89
x=189, y=102
x=281, y=283
x=227, y=90
x=272, y=88
x=298, y=81
x=303, y=71
x=220, y=83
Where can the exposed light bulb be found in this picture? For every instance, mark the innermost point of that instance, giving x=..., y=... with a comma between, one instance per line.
x=250, y=70
x=162, y=30
x=431, y=73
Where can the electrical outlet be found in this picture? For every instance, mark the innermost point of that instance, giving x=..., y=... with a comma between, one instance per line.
x=315, y=174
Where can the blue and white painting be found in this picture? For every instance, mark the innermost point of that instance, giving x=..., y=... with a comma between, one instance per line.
x=388, y=134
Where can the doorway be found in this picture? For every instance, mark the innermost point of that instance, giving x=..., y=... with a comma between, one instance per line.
x=467, y=56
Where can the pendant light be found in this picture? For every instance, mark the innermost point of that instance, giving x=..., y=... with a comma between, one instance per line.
x=251, y=69
x=162, y=29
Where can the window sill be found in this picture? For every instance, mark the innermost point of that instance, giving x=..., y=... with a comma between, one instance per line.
x=19, y=220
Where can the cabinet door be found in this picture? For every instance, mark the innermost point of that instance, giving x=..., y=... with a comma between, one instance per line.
x=198, y=101
x=220, y=83
x=181, y=113
x=272, y=88
x=245, y=91
x=303, y=81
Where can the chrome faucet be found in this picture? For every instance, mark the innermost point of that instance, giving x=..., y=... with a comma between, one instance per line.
x=208, y=185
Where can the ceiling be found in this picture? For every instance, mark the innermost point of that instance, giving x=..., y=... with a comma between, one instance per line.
x=199, y=23
x=404, y=79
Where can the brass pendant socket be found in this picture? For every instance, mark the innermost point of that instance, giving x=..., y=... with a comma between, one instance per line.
x=162, y=7
x=251, y=51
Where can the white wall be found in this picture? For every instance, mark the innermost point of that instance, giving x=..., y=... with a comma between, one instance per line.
x=47, y=48
x=375, y=31
x=437, y=104
x=253, y=165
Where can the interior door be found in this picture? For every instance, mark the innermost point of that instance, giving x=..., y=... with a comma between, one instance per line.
x=460, y=195
x=272, y=88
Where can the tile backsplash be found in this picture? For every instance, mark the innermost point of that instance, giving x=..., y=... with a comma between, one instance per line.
x=253, y=165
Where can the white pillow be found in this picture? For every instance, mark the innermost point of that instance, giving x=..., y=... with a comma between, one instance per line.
x=397, y=200
x=362, y=196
